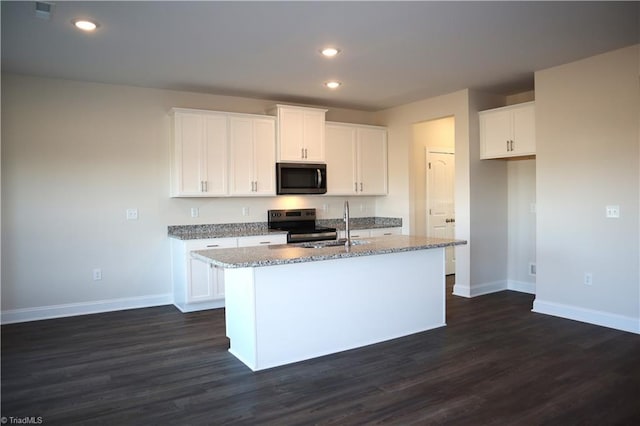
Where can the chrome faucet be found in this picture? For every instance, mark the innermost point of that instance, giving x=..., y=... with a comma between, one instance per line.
x=347, y=225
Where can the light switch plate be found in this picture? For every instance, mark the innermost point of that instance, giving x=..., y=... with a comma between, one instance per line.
x=195, y=212
x=613, y=212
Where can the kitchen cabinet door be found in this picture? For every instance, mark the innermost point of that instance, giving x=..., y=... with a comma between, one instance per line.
x=252, y=156
x=372, y=161
x=508, y=131
x=373, y=232
x=199, y=154
x=300, y=134
x=262, y=240
x=205, y=282
x=356, y=159
x=341, y=143
x=385, y=232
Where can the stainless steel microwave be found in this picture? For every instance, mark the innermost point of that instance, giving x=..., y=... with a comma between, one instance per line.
x=301, y=178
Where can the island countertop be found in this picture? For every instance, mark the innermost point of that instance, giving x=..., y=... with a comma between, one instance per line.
x=249, y=257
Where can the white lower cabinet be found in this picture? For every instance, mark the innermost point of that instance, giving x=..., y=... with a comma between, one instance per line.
x=198, y=285
x=262, y=240
x=373, y=232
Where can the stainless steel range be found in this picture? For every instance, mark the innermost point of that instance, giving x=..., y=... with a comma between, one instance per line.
x=300, y=225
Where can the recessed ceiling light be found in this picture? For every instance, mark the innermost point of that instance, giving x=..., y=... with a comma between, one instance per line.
x=330, y=52
x=333, y=84
x=85, y=25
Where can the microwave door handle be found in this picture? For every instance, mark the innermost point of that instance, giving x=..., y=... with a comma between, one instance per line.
x=319, y=178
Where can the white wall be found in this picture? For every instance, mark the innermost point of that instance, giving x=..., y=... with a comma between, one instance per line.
x=481, y=190
x=587, y=119
x=75, y=156
x=521, y=219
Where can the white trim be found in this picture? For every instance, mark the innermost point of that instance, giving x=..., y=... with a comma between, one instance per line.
x=479, y=289
x=84, y=308
x=591, y=316
x=521, y=286
x=461, y=290
x=200, y=306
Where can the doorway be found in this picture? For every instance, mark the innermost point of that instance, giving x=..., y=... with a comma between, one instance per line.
x=434, y=189
x=440, y=196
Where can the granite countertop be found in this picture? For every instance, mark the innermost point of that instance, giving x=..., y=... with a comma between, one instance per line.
x=224, y=230
x=281, y=254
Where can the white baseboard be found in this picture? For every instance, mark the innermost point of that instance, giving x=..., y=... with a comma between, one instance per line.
x=195, y=307
x=84, y=308
x=521, y=286
x=591, y=316
x=479, y=289
x=461, y=290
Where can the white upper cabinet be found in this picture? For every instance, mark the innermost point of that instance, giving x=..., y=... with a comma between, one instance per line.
x=300, y=134
x=356, y=159
x=252, y=155
x=372, y=161
x=341, y=159
x=508, y=131
x=199, y=154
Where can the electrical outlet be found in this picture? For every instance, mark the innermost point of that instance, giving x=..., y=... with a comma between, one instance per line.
x=97, y=274
x=245, y=211
x=588, y=278
x=132, y=214
x=532, y=269
x=195, y=212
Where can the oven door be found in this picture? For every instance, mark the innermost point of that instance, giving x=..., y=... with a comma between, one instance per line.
x=301, y=178
x=311, y=235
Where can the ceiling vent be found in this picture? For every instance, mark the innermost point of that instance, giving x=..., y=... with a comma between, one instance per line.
x=43, y=9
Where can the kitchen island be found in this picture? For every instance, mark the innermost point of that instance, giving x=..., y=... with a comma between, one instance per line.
x=291, y=302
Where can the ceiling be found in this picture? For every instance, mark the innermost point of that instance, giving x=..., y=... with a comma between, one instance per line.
x=392, y=52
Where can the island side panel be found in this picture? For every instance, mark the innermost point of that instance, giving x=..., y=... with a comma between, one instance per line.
x=312, y=309
x=240, y=314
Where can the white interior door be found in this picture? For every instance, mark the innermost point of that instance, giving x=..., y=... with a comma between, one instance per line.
x=440, y=200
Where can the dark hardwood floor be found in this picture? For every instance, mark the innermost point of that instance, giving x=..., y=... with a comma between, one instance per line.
x=495, y=363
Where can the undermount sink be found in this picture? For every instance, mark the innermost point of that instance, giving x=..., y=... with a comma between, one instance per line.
x=331, y=243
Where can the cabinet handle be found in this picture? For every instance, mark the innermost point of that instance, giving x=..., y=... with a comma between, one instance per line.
x=387, y=233
x=256, y=182
x=507, y=145
x=265, y=242
x=306, y=153
x=302, y=153
x=361, y=187
x=512, y=145
x=355, y=187
x=213, y=245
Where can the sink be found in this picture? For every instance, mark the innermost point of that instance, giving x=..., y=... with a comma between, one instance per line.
x=331, y=243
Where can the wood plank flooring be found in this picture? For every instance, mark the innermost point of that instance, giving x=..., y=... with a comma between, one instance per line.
x=496, y=363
